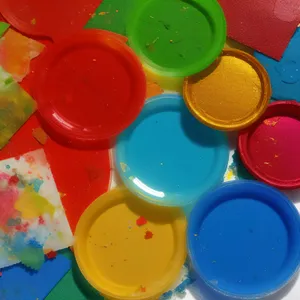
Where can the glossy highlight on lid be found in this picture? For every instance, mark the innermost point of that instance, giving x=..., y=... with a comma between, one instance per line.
x=231, y=94
x=270, y=148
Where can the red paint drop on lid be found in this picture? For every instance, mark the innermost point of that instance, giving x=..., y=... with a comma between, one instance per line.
x=143, y=289
x=51, y=254
x=13, y=180
x=148, y=235
x=141, y=221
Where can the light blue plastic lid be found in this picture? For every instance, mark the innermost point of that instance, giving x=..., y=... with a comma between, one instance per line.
x=167, y=157
x=244, y=240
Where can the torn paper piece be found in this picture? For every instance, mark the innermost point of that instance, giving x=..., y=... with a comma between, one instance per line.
x=16, y=52
x=16, y=106
x=32, y=218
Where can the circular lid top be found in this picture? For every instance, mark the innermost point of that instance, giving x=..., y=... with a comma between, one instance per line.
x=231, y=94
x=124, y=245
x=192, y=33
x=270, y=148
x=167, y=157
x=244, y=239
x=52, y=19
x=89, y=87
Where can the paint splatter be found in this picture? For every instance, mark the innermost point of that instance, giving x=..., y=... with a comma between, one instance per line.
x=141, y=221
x=272, y=122
x=143, y=289
x=13, y=180
x=148, y=235
x=238, y=168
x=22, y=227
x=36, y=183
x=124, y=167
x=31, y=205
x=41, y=221
x=40, y=135
x=8, y=196
x=51, y=254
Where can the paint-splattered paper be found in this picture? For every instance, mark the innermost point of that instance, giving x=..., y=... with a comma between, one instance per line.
x=32, y=218
x=16, y=52
x=16, y=106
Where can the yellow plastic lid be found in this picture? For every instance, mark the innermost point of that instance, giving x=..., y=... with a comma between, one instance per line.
x=231, y=94
x=129, y=249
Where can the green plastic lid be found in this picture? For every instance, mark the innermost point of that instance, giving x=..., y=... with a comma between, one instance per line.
x=177, y=37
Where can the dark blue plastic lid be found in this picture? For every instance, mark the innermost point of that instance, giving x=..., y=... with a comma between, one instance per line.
x=244, y=239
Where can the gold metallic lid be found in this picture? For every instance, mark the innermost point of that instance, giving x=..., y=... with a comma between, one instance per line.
x=231, y=94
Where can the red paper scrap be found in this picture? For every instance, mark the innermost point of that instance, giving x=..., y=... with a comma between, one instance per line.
x=264, y=25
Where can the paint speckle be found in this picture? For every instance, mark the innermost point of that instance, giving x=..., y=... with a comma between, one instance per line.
x=41, y=220
x=7, y=167
x=143, y=289
x=51, y=254
x=148, y=235
x=141, y=221
x=33, y=21
x=272, y=122
x=103, y=13
x=13, y=180
x=36, y=184
x=124, y=167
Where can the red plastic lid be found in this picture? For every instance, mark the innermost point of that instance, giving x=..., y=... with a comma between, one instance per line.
x=270, y=148
x=89, y=87
x=54, y=19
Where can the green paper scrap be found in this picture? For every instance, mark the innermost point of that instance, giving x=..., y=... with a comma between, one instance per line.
x=112, y=15
x=3, y=28
x=73, y=286
x=16, y=106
